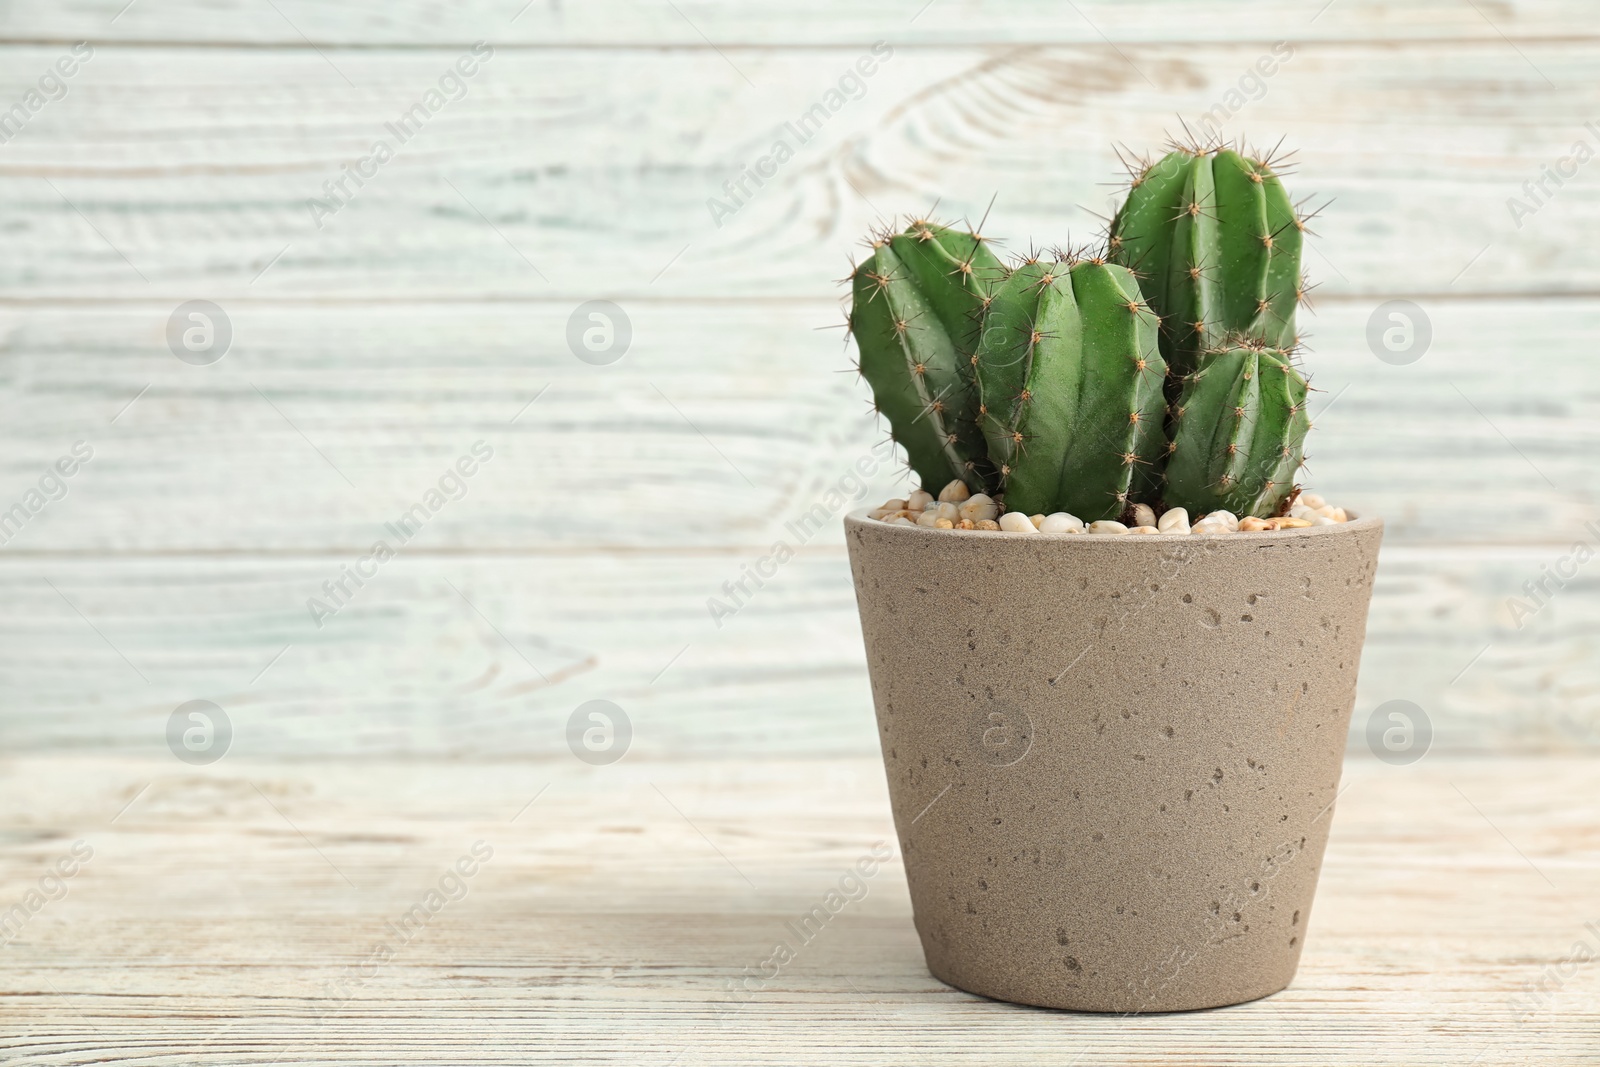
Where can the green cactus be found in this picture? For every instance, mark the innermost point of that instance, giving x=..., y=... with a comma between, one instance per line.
x=916, y=310
x=1070, y=376
x=1238, y=432
x=1159, y=372
x=1216, y=243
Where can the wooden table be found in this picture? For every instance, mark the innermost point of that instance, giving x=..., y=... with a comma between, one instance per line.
x=255, y=913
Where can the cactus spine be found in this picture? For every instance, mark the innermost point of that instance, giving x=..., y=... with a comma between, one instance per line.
x=1216, y=242
x=916, y=315
x=1070, y=377
x=1238, y=432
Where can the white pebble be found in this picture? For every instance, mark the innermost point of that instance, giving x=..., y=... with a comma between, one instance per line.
x=978, y=507
x=901, y=521
x=1204, y=527
x=1174, y=521
x=1300, y=511
x=1224, y=518
x=1061, y=522
x=918, y=501
x=1017, y=522
x=1143, y=515
x=1107, y=526
x=1323, y=520
x=1312, y=501
x=947, y=510
x=893, y=505
x=1144, y=531
x=955, y=492
x=928, y=518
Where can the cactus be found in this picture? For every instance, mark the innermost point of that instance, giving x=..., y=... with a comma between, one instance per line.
x=1160, y=372
x=1216, y=243
x=1070, y=377
x=916, y=314
x=1238, y=432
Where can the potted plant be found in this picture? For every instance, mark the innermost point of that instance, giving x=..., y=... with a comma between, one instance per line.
x=1113, y=645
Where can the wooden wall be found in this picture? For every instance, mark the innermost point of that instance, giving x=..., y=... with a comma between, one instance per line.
x=373, y=349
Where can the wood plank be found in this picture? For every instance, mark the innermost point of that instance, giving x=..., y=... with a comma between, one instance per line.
x=722, y=423
x=294, y=23
x=228, y=913
x=180, y=173
x=483, y=656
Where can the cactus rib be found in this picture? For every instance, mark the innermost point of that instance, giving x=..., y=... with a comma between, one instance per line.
x=1070, y=375
x=915, y=308
x=1238, y=432
x=1218, y=244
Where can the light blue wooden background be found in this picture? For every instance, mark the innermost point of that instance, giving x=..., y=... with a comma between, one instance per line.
x=424, y=316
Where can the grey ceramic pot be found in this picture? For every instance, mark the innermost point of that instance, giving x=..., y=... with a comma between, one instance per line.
x=1113, y=759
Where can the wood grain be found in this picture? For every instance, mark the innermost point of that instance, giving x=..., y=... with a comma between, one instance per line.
x=462, y=656
x=430, y=312
x=177, y=173
x=321, y=424
x=699, y=23
x=228, y=909
x=228, y=915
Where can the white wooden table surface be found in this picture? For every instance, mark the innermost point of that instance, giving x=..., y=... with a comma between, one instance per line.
x=431, y=312
x=254, y=912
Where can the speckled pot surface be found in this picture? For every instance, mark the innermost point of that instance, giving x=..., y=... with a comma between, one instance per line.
x=1113, y=759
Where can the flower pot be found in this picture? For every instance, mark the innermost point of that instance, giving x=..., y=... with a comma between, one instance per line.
x=1113, y=759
